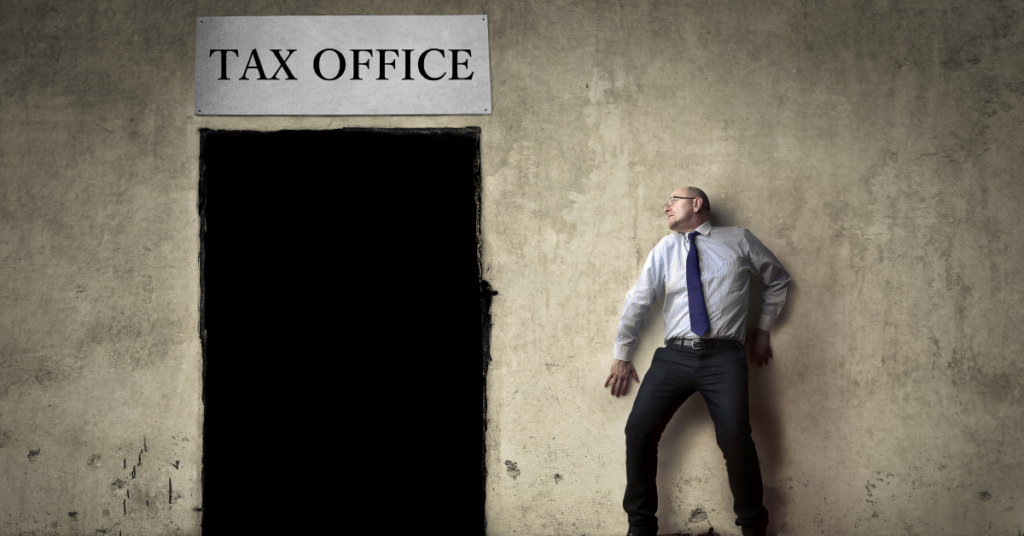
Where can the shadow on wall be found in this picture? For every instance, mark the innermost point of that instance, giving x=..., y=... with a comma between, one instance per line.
x=765, y=420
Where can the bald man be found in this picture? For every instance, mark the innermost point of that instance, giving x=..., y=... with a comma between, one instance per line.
x=704, y=273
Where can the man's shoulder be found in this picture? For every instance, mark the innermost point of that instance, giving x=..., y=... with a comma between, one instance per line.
x=739, y=236
x=669, y=240
x=725, y=232
x=666, y=245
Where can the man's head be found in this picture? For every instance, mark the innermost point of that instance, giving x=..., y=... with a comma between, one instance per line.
x=687, y=208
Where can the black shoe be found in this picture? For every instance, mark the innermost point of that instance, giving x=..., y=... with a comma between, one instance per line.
x=757, y=529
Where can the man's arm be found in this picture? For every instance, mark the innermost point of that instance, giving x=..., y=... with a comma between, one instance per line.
x=776, y=284
x=638, y=302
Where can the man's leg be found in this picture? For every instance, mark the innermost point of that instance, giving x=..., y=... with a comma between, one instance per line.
x=723, y=384
x=667, y=384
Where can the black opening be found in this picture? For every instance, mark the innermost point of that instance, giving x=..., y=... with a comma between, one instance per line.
x=344, y=329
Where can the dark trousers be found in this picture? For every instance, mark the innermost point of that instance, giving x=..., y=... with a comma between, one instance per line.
x=720, y=375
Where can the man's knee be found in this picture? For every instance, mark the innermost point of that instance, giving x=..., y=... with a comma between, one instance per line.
x=634, y=430
x=734, y=438
x=641, y=431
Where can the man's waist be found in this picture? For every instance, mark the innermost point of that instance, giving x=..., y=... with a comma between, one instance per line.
x=703, y=344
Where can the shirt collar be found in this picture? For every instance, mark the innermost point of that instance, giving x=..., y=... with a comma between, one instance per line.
x=703, y=229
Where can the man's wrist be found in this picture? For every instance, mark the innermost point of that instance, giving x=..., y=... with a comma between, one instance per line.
x=765, y=323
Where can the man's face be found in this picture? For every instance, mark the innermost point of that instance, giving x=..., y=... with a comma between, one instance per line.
x=681, y=213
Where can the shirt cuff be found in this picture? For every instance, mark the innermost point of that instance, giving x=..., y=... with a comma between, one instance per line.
x=622, y=352
x=765, y=323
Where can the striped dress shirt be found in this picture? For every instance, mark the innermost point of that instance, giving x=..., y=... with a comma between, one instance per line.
x=727, y=256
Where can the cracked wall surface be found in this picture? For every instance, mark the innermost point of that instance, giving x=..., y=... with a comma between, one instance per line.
x=875, y=148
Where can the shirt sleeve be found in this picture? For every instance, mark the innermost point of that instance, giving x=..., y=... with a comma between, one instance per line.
x=638, y=302
x=776, y=280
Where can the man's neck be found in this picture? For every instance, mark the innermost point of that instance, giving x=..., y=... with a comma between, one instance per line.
x=690, y=230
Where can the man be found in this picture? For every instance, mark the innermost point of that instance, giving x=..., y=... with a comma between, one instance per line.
x=703, y=271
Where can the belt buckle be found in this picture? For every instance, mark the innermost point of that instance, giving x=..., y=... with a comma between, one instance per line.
x=697, y=344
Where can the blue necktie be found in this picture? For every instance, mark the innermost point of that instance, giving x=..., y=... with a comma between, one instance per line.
x=694, y=292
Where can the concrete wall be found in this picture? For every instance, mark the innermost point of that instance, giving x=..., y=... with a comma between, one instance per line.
x=875, y=149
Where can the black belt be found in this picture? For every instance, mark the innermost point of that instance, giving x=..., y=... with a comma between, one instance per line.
x=702, y=344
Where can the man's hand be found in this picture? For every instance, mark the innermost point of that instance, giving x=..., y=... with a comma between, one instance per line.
x=759, y=348
x=619, y=377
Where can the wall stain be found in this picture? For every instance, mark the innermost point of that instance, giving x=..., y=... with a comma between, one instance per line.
x=709, y=532
x=558, y=478
x=95, y=460
x=56, y=370
x=73, y=515
x=512, y=469
x=772, y=495
x=32, y=454
x=5, y=438
x=697, y=515
x=985, y=496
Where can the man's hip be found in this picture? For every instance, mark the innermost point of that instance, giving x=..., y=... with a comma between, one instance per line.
x=703, y=344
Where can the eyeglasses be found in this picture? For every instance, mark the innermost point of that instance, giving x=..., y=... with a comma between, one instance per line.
x=674, y=197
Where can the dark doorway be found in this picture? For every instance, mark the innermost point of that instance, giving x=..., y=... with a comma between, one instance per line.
x=343, y=328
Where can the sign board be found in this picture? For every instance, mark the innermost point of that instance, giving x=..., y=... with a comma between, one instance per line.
x=343, y=65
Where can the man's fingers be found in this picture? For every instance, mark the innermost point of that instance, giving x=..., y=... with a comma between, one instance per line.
x=614, y=379
x=619, y=381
